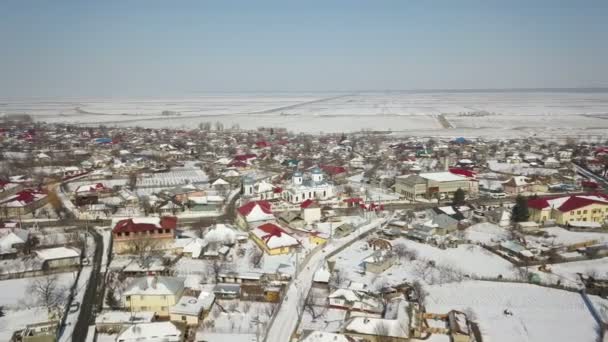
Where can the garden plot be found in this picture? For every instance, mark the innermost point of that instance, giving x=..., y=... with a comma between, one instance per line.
x=539, y=314
x=486, y=233
x=22, y=306
x=236, y=317
x=561, y=236
x=450, y=265
x=284, y=263
x=567, y=273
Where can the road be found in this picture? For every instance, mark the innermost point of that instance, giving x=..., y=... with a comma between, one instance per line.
x=287, y=317
x=583, y=171
x=86, y=317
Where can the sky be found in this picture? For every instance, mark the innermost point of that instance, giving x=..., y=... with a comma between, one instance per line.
x=152, y=48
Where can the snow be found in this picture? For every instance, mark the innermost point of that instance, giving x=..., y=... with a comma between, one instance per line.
x=286, y=319
x=539, y=314
x=57, y=253
x=442, y=177
x=563, y=236
x=516, y=113
x=21, y=306
x=486, y=233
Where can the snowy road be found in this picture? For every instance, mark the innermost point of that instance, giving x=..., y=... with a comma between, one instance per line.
x=287, y=317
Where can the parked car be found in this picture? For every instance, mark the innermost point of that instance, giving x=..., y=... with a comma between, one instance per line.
x=498, y=195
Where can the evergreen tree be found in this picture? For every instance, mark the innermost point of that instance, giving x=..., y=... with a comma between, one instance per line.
x=2, y=314
x=520, y=211
x=459, y=197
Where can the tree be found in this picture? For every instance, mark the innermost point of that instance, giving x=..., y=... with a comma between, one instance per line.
x=255, y=258
x=111, y=300
x=144, y=247
x=2, y=314
x=311, y=306
x=132, y=180
x=47, y=291
x=459, y=197
x=520, y=211
x=404, y=253
x=419, y=291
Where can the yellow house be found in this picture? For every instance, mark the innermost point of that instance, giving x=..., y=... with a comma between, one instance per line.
x=153, y=293
x=565, y=209
x=317, y=238
x=273, y=239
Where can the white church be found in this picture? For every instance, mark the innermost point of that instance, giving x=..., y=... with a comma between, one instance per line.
x=315, y=188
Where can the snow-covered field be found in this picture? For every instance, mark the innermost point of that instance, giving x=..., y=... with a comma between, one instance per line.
x=469, y=260
x=21, y=307
x=539, y=314
x=513, y=113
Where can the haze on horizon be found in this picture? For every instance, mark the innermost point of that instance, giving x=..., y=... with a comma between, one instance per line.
x=154, y=48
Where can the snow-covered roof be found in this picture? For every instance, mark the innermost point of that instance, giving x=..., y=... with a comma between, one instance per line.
x=57, y=253
x=397, y=327
x=322, y=275
x=274, y=236
x=151, y=332
x=155, y=285
x=442, y=176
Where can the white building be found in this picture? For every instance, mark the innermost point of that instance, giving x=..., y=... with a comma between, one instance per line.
x=314, y=188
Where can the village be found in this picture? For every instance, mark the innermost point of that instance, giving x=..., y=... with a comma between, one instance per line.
x=214, y=234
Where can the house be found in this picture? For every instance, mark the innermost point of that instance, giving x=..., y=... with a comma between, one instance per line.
x=311, y=211
x=379, y=261
x=115, y=321
x=227, y=291
x=394, y=326
x=153, y=293
x=564, y=209
x=322, y=336
x=314, y=188
x=40, y=332
x=9, y=188
x=273, y=239
x=292, y=219
x=128, y=234
x=191, y=310
x=253, y=212
x=206, y=203
x=152, y=332
x=90, y=193
x=58, y=257
x=434, y=185
x=11, y=241
x=460, y=330
x=520, y=184
x=23, y=202
x=352, y=300
x=321, y=278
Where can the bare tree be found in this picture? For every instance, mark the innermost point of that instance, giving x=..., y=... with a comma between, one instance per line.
x=144, y=247
x=312, y=307
x=403, y=252
x=256, y=256
x=337, y=278
x=217, y=267
x=47, y=291
x=419, y=291
x=424, y=269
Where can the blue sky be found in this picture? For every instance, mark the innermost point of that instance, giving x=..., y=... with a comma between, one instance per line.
x=134, y=48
